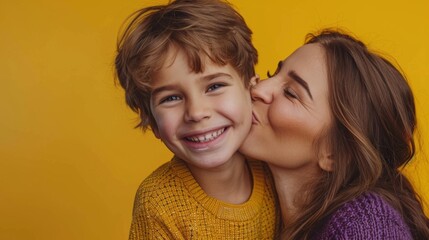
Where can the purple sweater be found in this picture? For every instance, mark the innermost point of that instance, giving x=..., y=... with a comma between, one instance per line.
x=368, y=216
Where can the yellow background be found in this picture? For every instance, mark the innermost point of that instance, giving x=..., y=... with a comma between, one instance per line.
x=70, y=160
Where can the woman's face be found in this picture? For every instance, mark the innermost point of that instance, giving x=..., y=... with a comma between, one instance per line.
x=291, y=112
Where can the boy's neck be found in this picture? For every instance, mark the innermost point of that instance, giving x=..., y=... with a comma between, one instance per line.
x=231, y=182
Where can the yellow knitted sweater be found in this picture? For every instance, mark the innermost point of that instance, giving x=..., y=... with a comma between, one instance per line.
x=170, y=204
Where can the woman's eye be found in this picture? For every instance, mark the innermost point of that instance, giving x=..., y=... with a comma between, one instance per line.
x=214, y=87
x=170, y=99
x=289, y=92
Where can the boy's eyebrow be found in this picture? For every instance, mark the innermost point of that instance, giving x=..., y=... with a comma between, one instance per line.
x=292, y=74
x=160, y=89
x=215, y=75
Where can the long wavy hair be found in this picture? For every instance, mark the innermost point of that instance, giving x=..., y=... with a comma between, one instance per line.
x=371, y=138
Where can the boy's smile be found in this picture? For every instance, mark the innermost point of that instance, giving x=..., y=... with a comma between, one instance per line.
x=202, y=117
x=206, y=137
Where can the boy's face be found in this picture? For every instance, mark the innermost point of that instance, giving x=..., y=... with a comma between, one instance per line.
x=202, y=117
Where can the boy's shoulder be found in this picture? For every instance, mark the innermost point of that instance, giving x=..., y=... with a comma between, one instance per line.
x=161, y=182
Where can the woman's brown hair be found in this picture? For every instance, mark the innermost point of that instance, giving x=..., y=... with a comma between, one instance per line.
x=371, y=138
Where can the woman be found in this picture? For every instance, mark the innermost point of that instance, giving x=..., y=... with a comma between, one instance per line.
x=335, y=123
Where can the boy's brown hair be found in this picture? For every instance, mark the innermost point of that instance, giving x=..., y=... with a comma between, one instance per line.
x=201, y=28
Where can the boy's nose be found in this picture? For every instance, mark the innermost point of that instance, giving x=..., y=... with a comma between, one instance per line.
x=196, y=110
x=263, y=91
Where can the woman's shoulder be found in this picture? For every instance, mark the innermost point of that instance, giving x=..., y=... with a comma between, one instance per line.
x=369, y=216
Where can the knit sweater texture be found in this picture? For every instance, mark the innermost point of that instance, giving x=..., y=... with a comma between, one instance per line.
x=367, y=217
x=170, y=204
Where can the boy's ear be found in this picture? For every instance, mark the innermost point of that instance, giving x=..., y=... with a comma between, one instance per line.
x=254, y=80
x=326, y=162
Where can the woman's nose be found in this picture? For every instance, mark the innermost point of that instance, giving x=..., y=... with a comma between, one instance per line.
x=263, y=91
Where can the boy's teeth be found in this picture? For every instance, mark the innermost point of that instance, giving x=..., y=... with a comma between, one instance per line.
x=206, y=137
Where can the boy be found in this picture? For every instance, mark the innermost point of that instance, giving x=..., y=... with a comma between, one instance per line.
x=185, y=67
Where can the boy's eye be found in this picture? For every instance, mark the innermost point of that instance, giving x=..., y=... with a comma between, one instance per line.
x=170, y=99
x=214, y=87
x=289, y=92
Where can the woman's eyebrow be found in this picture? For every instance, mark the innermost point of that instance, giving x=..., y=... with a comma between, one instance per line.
x=300, y=81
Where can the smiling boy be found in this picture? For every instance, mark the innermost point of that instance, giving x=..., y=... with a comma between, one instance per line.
x=185, y=67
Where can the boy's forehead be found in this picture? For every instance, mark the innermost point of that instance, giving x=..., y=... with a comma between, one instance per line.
x=177, y=66
x=196, y=62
